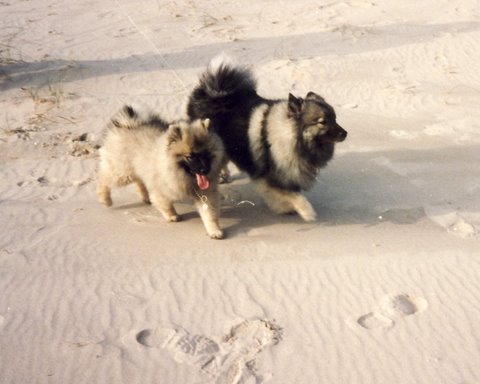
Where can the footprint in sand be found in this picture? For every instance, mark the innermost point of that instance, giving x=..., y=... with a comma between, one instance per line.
x=226, y=359
x=391, y=309
x=374, y=320
x=186, y=348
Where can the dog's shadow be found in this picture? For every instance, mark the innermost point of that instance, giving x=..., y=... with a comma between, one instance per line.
x=372, y=188
x=147, y=213
x=358, y=188
x=396, y=186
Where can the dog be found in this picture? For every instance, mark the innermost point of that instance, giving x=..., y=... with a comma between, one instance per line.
x=167, y=162
x=281, y=144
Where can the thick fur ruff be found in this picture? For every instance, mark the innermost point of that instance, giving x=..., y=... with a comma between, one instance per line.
x=281, y=144
x=167, y=162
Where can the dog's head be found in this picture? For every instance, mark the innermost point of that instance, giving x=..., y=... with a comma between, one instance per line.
x=197, y=149
x=316, y=119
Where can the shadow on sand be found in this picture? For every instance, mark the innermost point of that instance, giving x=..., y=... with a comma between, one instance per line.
x=341, y=41
x=359, y=188
x=370, y=188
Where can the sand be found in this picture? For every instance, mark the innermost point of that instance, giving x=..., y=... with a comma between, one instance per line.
x=384, y=288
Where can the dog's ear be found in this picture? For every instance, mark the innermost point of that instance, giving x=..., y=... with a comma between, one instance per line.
x=129, y=111
x=294, y=105
x=174, y=133
x=313, y=96
x=206, y=123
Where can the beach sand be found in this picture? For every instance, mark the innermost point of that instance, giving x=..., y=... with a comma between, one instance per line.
x=383, y=288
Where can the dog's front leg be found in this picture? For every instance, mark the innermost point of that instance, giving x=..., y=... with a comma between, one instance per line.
x=165, y=207
x=208, y=208
x=284, y=201
x=303, y=207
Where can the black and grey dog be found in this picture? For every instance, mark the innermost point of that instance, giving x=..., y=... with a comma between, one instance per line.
x=281, y=144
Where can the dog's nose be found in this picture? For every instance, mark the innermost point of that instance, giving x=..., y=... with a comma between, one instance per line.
x=342, y=134
x=204, y=170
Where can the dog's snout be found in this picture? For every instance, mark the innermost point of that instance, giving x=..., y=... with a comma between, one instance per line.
x=203, y=166
x=204, y=170
x=342, y=134
x=198, y=164
x=338, y=133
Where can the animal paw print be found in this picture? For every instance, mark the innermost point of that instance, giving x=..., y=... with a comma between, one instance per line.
x=392, y=309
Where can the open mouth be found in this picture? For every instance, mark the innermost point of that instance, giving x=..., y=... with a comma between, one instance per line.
x=202, y=181
x=198, y=166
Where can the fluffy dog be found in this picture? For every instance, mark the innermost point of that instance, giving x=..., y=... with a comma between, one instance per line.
x=281, y=144
x=167, y=162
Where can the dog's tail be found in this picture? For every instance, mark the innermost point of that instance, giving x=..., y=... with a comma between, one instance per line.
x=223, y=78
x=222, y=86
x=126, y=118
x=130, y=118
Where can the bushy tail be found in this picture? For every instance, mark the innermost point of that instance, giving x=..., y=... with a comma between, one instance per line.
x=129, y=118
x=222, y=78
x=126, y=118
x=222, y=88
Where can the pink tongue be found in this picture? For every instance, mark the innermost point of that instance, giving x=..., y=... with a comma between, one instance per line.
x=202, y=182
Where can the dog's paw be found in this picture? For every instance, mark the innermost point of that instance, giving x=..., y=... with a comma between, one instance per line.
x=216, y=234
x=309, y=217
x=306, y=211
x=224, y=177
x=173, y=218
x=107, y=201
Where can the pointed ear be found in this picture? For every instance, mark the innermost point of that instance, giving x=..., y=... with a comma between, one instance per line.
x=174, y=133
x=129, y=111
x=313, y=96
x=206, y=123
x=294, y=105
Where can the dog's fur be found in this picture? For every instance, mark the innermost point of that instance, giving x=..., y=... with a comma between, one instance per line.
x=281, y=144
x=167, y=162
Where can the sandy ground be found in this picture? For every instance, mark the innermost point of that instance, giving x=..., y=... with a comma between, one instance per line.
x=384, y=288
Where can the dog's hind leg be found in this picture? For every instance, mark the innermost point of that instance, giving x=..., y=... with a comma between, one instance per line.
x=225, y=176
x=274, y=198
x=142, y=190
x=104, y=195
x=103, y=190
